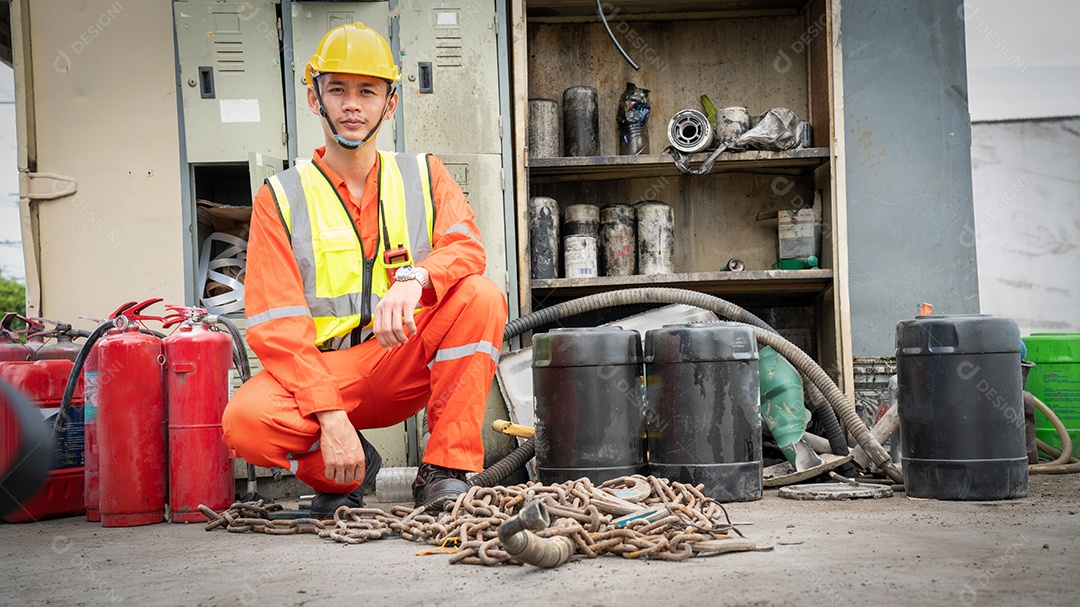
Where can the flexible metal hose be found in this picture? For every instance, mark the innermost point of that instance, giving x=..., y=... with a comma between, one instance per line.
x=506, y=466
x=240, y=359
x=845, y=412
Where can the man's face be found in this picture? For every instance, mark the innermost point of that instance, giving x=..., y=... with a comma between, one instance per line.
x=355, y=104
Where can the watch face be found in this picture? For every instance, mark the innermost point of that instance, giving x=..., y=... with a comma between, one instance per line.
x=405, y=273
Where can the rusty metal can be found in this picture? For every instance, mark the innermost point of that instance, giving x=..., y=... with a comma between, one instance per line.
x=579, y=256
x=544, y=237
x=582, y=219
x=731, y=123
x=543, y=128
x=655, y=238
x=617, y=240
x=581, y=121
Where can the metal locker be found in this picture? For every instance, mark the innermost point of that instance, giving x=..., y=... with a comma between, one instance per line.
x=230, y=76
x=480, y=178
x=450, y=76
x=450, y=93
x=310, y=21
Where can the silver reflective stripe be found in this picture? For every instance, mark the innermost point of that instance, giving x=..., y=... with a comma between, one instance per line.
x=480, y=347
x=303, y=247
x=416, y=210
x=292, y=456
x=458, y=228
x=275, y=313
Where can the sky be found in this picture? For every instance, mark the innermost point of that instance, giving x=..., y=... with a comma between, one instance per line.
x=1000, y=35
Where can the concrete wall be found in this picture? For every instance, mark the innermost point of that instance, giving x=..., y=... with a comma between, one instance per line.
x=96, y=82
x=907, y=137
x=1026, y=178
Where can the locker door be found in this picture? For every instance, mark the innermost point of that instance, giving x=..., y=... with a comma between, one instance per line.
x=230, y=76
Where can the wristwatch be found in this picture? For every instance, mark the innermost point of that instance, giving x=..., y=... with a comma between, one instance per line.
x=411, y=273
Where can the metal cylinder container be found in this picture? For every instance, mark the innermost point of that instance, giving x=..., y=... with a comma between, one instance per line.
x=197, y=390
x=62, y=349
x=590, y=417
x=689, y=131
x=655, y=238
x=581, y=121
x=543, y=128
x=703, y=413
x=579, y=256
x=617, y=240
x=731, y=123
x=581, y=219
x=544, y=237
x=961, y=407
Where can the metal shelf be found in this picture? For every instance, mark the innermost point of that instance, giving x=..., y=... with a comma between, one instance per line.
x=593, y=168
x=783, y=284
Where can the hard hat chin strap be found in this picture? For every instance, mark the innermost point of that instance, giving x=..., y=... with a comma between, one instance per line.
x=349, y=144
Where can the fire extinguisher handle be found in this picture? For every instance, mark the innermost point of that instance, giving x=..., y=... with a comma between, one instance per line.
x=135, y=312
x=119, y=311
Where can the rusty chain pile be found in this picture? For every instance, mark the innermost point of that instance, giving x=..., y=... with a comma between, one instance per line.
x=632, y=516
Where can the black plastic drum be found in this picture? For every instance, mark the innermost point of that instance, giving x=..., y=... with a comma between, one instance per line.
x=703, y=410
x=961, y=407
x=590, y=418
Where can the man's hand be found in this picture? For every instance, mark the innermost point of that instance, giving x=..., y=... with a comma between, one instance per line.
x=341, y=449
x=394, y=314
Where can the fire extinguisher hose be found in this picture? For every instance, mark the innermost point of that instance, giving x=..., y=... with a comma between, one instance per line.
x=76, y=373
x=240, y=359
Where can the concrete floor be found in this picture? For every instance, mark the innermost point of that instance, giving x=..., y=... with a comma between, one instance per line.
x=894, y=551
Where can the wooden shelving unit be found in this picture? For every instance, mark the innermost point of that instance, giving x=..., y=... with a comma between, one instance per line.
x=762, y=54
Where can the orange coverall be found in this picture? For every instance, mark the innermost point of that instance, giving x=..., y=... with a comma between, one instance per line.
x=447, y=366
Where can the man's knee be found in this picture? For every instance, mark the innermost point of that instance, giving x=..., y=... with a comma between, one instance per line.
x=243, y=423
x=480, y=292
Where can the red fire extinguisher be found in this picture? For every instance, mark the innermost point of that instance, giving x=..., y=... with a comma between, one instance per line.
x=131, y=423
x=91, y=379
x=198, y=357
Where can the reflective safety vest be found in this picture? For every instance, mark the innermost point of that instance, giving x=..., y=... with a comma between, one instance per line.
x=342, y=282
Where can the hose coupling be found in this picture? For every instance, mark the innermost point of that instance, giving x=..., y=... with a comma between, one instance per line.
x=517, y=537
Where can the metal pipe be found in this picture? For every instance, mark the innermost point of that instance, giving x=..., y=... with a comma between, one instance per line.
x=517, y=536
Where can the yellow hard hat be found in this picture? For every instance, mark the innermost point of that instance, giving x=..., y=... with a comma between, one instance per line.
x=353, y=48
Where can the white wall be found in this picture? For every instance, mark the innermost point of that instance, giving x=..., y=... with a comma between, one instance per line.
x=11, y=259
x=1026, y=178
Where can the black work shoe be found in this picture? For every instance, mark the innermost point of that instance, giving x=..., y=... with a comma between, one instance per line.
x=323, y=505
x=435, y=485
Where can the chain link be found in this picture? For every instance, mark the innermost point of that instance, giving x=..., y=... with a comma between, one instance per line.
x=589, y=516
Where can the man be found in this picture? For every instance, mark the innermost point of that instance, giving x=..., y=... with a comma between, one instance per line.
x=364, y=297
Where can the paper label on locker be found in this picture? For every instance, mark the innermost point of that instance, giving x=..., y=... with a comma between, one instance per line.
x=239, y=110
